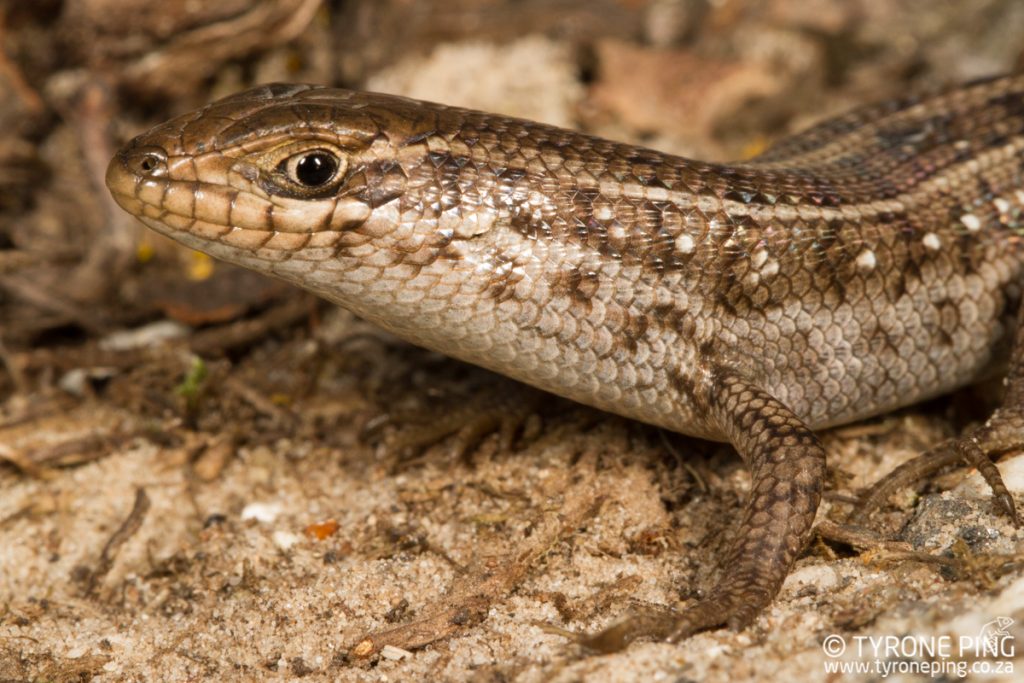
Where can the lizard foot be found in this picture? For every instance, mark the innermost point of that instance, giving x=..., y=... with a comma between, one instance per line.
x=735, y=610
x=1002, y=433
x=787, y=465
x=467, y=418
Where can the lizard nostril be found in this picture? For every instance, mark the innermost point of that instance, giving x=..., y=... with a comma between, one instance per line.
x=146, y=161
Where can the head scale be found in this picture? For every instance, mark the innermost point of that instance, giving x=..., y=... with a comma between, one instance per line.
x=333, y=189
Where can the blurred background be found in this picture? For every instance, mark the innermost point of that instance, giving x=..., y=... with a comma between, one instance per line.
x=128, y=361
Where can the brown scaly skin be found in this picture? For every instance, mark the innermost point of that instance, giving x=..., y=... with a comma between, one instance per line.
x=869, y=263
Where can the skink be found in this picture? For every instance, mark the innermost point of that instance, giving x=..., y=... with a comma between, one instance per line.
x=869, y=263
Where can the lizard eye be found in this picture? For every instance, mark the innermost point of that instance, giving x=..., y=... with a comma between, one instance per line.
x=312, y=168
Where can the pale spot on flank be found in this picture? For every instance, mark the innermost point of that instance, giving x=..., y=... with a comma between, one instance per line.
x=603, y=213
x=685, y=244
x=866, y=260
x=932, y=241
x=758, y=258
x=771, y=267
x=1019, y=194
x=970, y=221
x=1002, y=206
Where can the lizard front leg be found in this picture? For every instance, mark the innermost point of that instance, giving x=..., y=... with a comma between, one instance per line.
x=787, y=466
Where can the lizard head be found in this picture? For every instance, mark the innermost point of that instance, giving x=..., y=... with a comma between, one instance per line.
x=260, y=177
x=336, y=190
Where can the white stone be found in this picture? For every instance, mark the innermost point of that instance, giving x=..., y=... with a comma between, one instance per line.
x=971, y=222
x=821, y=577
x=285, y=539
x=261, y=512
x=1012, y=471
x=394, y=653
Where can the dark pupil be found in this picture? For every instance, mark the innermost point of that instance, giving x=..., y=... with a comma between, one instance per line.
x=315, y=169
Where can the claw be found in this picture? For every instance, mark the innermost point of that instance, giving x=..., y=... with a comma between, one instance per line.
x=657, y=625
x=974, y=449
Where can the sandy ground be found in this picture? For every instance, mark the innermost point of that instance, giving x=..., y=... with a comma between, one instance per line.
x=282, y=562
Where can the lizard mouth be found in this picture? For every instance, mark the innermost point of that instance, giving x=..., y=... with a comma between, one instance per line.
x=142, y=183
x=210, y=199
